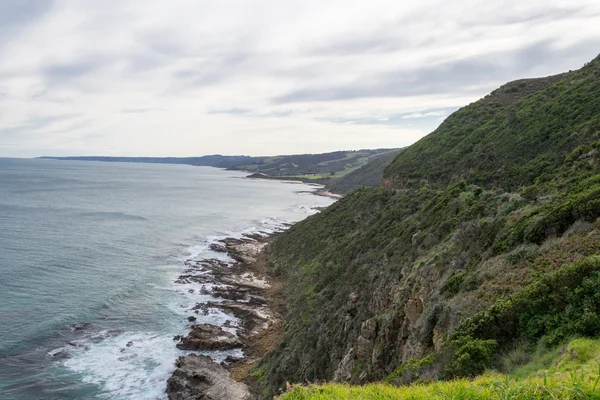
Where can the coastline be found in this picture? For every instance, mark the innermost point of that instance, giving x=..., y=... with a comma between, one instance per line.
x=243, y=290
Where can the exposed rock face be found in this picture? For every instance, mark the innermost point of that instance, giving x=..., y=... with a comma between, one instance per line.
x=364, y=343
x=208, y=337
x=198, y=377
x=344, y=369
x=413, y=309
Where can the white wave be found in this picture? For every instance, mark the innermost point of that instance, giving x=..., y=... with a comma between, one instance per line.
x=137, y=365
x=130, y=366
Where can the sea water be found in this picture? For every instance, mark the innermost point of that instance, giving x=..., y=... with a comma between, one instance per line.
x=89, y=253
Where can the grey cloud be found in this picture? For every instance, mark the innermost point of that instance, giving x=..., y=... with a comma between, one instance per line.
x=32, y=126
x=234, y=111
x=386, y=39
x=536, y=16
x=249, y=113
x=18, y=12
x=157, y=49
x=16, y=15
x=464, y=76
x=210, y=71
x=62, y=73
x=378, y=42
x=426, y=119
x=140, y=110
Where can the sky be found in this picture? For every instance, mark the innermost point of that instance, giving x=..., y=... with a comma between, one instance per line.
x=254, y=77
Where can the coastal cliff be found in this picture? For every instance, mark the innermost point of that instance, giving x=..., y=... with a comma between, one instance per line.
x=395, y=282
x=480, y=243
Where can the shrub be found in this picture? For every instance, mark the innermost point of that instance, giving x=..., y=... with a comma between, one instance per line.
x=559, y=305
x=471, y=357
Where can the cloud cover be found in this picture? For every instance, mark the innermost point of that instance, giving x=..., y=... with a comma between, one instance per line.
x=191, y=77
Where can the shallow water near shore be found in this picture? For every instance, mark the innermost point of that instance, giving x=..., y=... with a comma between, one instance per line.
x=89, y=257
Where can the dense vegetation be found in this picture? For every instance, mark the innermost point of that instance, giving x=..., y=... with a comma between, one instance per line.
x=479, y=240
x=511, y=138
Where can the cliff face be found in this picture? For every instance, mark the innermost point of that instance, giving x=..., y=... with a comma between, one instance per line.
x=506, y=190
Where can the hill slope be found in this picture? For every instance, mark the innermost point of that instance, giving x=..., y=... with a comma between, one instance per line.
x=509, y=138
x=504, y=192
x=324, y=167
x=368, y=175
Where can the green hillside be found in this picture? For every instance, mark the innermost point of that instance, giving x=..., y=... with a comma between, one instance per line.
x=311, y=167
x=480, y=241
x=510, y=138
x=325, y=168
x=368, y=175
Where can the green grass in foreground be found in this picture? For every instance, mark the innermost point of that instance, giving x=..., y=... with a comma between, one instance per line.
x=573, y=373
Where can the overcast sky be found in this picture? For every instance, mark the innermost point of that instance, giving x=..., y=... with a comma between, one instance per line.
x=182, y=78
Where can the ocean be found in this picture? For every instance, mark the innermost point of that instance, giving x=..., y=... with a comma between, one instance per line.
x=89, y=253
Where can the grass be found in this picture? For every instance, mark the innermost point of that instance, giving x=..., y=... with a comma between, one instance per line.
x=568, y=372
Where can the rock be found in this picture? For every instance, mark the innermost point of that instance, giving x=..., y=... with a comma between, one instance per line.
x=350, y=306
x=129, y=344
x=230, y=360
x=413, y=309
x=198, y=377
x=204, y=290
x=364, y=348
x=230, y=293
x=365, y=342
x=343, y=372
x=218, y=248
x=177, y=337
x=253, y=319
x=208, y=337
x=368, y=328
x=438, y=339
x=79, y=327
x=191, y=318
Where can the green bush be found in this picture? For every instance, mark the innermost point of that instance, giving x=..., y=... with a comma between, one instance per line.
x=471, y=357
x=452, y=285
x=562, y=304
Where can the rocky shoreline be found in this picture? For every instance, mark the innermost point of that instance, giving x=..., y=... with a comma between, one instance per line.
x=238, y=289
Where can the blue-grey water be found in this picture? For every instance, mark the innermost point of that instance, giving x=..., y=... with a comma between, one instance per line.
x=100, y=245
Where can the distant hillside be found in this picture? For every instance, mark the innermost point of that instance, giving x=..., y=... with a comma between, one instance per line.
x=368, y=175
x=314, y=168
x=311, y=167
